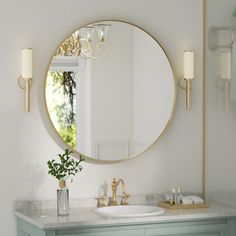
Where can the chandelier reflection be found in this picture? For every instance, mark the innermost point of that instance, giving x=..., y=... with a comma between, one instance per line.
x=88, y=42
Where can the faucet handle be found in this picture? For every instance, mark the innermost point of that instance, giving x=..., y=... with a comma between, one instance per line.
x=124, y=199
x=101, y=201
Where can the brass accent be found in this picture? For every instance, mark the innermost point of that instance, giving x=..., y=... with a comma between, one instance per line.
x=203, y=101
x=181, y=206
x=62, y=183
x=101, y=201
x=91, y=159
x=25, y=84
x=188, y=91
x=226, y=95
x=77, y=46
x=188, y=94
x=114, y=185
x=124, y=199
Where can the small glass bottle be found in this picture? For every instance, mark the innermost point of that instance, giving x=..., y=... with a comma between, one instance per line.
x=179, y=196
x=172, y=197
x=62, y=199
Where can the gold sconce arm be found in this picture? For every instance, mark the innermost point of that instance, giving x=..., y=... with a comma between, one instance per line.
x=226, y=95
x=224, y=86
x=25, y=84
x=188, y=94
x=188, y=91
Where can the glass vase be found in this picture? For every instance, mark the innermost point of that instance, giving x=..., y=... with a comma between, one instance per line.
x=62, y=199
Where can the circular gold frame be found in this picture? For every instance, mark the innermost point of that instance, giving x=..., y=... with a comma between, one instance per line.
x=90, y=159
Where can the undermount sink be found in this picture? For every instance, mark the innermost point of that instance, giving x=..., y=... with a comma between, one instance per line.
x=130, y=211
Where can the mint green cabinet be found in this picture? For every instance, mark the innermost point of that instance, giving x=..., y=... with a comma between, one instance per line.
x=26, y=229
x=104, y=231
x=109, y=233
x=232, y=227
x=216, y=228
x=220, y=227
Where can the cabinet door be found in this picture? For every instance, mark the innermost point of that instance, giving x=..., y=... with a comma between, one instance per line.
x=26, y=229
x=232, y=227
x=197, y=230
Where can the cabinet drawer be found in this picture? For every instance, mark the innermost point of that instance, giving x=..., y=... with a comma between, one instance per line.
x=100, y=232
x=194, y=230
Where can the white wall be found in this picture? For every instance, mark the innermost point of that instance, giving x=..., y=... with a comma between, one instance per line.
x=221, y=125
x=25, y=142
x=154, y=91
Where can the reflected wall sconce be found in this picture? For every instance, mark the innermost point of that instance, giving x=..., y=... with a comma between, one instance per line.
x=87, y=42
x=225, y=75
x=185, y=82
x=25, y=79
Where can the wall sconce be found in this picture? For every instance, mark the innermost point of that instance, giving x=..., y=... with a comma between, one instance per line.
x=225, y=75
x=185, y=81
x=25, y=79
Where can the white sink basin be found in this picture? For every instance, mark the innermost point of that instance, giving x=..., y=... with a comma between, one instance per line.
x=130, y=211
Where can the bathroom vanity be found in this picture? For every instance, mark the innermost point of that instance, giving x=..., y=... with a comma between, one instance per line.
x=214, y=221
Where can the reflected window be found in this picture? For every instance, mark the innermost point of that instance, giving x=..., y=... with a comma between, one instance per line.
x=61, y=99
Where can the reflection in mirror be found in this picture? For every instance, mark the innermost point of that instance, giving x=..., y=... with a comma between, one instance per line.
x=110, y=91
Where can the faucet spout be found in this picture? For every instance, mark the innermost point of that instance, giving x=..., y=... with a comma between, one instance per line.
x=114, y=186
x=122, y=185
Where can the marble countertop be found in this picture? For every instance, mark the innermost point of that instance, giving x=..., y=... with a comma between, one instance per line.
x=86, y=217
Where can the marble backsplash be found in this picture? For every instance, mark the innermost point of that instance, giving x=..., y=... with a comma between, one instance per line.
x=35, y=205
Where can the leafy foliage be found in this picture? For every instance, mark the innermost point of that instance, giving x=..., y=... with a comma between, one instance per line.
x=66, y=167
x=65, y=112
x=69, y=135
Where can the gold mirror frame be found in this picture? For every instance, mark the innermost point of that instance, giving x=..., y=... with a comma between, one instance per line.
x=93, y=160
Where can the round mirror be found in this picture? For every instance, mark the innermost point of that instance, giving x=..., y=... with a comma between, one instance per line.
x=110, y=91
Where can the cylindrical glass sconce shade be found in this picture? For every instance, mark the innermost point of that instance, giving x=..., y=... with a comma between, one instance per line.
x=26, y=63
x=225, y=65
x=188, y=65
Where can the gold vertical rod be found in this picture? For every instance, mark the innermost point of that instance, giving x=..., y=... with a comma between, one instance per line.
x=226, y=95
x=27, y=95
x=25, y=84
x=203, y=112
x=188, y=94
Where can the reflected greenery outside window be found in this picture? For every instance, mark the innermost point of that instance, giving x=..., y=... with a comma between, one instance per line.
x=62, y=105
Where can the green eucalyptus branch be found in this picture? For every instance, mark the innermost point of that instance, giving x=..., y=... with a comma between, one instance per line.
x=66, y=167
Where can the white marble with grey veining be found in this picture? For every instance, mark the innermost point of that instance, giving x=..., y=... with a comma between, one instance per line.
x=46, y=218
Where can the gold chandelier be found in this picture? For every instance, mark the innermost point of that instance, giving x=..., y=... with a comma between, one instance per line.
x=88, y=42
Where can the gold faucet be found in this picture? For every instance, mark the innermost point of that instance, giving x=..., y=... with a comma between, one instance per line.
x=124, y=199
